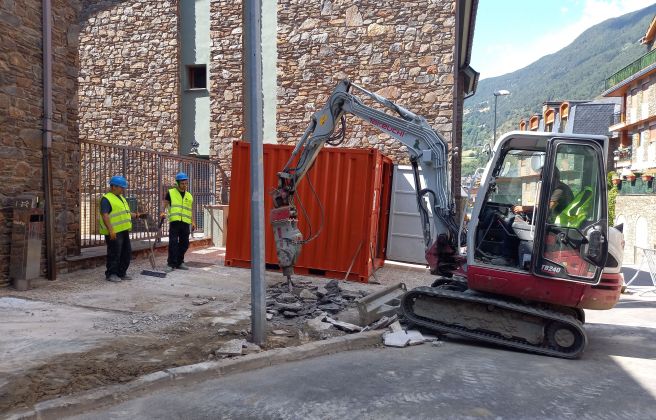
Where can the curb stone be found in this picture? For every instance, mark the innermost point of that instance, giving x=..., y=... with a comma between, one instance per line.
x=79, y=403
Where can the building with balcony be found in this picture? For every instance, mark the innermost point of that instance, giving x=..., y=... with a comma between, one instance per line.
x=635, y=155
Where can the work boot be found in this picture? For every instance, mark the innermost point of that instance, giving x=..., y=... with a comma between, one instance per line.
x=126, y=277
x=168, y=269
x=183, y=266
x=113, y=278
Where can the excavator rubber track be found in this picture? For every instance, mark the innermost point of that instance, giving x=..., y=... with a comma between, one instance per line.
x=562, y=335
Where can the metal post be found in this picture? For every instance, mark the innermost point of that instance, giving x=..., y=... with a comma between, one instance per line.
x=253, y=132
x=51, y=271
x=495, y=120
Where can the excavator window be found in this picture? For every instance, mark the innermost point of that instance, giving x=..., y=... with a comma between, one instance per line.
x=505, y=237
x=576, y=168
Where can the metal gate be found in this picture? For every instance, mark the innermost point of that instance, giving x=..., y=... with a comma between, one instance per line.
x=405, y=240
x=149, y=175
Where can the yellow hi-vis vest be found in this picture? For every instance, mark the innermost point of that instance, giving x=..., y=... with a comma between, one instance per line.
x=120, y=217
x=180, y=207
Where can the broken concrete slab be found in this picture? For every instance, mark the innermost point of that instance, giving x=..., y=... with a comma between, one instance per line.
x=344, y=326
x=306, y=294
x=395, y=326
x=396, y=339
x=249, y=348
x=231, y=348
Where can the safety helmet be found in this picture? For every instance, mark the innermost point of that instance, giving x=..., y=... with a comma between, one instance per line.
x=118, y=181
x=181, y=176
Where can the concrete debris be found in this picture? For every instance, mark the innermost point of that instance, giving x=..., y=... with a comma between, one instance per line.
x=381, y=323
x=249, y=348
x=199, y=302
x=269, y=316
x=396, y=339
x=293, y=307
x=330, y=307
x=317, y=324
x=223, y=331
x=395, y=327
x=279, y=332
x=231, y=348
x=344, y=326
x=286, y=298
x=134, y=321
x=404, y=338
x=306, y=294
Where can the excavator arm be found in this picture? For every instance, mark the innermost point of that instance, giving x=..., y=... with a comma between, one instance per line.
x=428, y=156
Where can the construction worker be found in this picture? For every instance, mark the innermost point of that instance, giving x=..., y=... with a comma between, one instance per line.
x=179, y=204
x=116, y=223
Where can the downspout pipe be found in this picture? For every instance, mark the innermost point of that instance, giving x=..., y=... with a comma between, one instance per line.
x=51, y=272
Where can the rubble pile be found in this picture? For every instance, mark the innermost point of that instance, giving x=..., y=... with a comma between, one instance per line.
x=307, y=300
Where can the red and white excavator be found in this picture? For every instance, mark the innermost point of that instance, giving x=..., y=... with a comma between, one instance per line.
x=514, y=279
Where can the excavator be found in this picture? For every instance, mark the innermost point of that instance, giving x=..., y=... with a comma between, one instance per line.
x=529, y=259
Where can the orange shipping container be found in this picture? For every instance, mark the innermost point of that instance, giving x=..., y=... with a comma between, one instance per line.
x=353, y=186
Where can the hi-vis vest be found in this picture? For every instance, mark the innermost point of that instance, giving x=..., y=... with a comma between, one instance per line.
x=119, y=217
x=180, y=207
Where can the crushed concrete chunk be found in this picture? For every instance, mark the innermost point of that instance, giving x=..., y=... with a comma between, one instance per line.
x=396, y=326
x=251, y=348
x=344, y=326
x=231, y=348
x=415, y=337
x=291, y=307
x=269, y=316
x=223, y=331
x=279, y=332
x=198, y=302
x=306, y=294
x=286, y=298
x=396, y=339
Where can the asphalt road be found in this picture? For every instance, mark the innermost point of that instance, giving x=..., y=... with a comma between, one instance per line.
x=616, y=378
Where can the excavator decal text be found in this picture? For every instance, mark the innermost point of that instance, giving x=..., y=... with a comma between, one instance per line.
x=386, y=127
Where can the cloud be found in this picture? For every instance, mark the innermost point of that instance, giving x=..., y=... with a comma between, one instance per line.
x=502, y=59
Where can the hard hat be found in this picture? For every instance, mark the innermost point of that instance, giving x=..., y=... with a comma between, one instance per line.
x=118, y=181
x=181, y=176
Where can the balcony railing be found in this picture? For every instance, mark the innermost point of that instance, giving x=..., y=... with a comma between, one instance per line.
x=633, y=68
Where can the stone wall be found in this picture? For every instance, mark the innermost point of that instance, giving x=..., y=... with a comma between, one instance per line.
x=403, y=51
x=637, y=213
x=225, y=82
x=21, y=119
x=128, y=82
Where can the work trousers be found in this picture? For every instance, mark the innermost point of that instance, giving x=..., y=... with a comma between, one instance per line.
x=119, y=252
x=178, y=242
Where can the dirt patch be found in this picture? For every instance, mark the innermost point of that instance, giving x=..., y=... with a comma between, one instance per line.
x=126, y=358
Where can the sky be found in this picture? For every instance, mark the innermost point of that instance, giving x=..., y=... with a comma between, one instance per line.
x=511, y=34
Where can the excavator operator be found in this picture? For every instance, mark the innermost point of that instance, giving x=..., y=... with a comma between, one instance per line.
x=560, y=197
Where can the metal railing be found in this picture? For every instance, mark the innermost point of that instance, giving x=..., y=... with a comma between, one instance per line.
x=633, y=68
x=149, y=175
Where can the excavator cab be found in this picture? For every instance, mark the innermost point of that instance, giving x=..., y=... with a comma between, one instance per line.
x=542, y=209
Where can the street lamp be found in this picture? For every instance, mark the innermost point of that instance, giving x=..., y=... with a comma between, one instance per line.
x=497, y=93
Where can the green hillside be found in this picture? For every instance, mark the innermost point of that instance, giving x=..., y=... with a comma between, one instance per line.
x=576, y=72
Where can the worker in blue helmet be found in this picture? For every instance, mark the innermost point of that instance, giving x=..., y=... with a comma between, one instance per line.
x=115, y=220
x=178, y=202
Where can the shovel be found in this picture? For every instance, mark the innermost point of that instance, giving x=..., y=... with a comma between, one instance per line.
x=154, y=272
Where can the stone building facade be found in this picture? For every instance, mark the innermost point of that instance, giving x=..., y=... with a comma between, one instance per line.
x=636, y=213
x=128, y=79
x=21, y=119
x=129, y=95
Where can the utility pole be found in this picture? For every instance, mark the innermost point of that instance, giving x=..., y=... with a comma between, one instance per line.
x=497, y=93
x=253, y=133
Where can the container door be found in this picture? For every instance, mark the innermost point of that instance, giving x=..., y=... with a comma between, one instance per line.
x=405, y=241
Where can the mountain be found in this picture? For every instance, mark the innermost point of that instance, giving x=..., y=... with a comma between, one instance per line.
x=576, y=72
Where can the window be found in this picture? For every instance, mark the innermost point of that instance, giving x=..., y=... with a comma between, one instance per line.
x=197, y=75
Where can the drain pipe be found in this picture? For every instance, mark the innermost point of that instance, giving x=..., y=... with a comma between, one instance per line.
x=51, y=272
